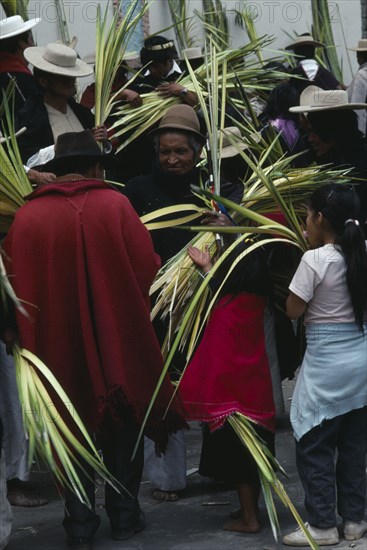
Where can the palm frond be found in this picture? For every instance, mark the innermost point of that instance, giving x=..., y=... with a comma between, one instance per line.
x=16, y=7
x=49, y=435
x=322, y=31
x=111, y=44
x=184, y=25
x=14, y=183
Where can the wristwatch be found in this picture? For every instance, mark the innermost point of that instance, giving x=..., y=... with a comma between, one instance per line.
x=184, y=92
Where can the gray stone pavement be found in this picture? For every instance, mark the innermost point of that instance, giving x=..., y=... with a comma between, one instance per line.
x=194, y=522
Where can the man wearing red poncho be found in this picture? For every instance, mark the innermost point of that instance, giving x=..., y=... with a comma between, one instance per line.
x=83, y=263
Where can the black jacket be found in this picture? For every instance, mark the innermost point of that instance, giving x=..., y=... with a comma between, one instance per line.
x=33, y=115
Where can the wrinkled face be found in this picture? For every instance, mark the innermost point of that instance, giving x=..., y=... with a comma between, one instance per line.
x=320, y=146
x=160, y=69
x=59, y=85
x=313, y=226
x=174, y=153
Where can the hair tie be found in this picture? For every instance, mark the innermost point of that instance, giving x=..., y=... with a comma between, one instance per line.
x=356, y=222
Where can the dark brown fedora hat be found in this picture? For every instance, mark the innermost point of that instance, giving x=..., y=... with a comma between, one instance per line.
x=81, y=146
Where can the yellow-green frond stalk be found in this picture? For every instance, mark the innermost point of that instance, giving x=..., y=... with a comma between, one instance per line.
x=184, y=25
x=267, y=466
x=16, y=7
x=14, y=183
x=47, y=428
x=111, y=44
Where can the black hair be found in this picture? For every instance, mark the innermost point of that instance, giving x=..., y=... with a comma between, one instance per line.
x=340, y=126
x=362, y=56
x=250, y=275
x=161, y=54
x=339, y=203
x=11, y=45
x=280, y=100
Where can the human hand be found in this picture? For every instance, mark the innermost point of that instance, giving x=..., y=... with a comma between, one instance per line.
x=100, y=133
x=131, y=97
x=169, y=89
x=215, y=218
x=40, y=178
x=10, y=338
x=200, y=258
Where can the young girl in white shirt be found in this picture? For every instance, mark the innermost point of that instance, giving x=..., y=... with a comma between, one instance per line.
x=329, y=405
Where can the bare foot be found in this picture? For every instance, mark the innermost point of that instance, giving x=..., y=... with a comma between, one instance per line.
x=236, y=514
x=240, y=527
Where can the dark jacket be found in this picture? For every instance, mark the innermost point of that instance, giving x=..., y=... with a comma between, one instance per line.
x=158, y=190
x=324, y=79
x=33, y=115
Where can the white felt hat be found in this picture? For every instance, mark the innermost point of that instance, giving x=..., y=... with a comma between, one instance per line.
x=57, y=59
x=14, y=25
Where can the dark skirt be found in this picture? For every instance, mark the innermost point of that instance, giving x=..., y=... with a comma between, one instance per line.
x=225, y=458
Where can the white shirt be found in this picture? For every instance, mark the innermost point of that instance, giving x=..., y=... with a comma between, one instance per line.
x=310, y=66
x=63, y=122
x=320, y=280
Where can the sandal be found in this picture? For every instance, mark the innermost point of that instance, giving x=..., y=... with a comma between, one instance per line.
x=165, y=496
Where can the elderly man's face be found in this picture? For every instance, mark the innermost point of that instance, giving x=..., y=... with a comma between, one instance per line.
x=175, y=155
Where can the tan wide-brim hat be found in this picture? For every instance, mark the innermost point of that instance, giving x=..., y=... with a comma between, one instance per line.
x=228, y=149
x=180, y=117
x=316, y=99
x=191, y=53
x=14, y=25
x=304, y=40
x=362, y=46
x=57, y=59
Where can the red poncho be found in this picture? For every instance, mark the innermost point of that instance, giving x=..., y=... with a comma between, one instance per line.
x=230, y=372
x=78, y=252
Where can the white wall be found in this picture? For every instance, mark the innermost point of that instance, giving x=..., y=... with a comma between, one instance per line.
x=278, y=17
x=274, y=17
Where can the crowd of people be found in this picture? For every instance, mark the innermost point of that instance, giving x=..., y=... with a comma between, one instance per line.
x=82, y=262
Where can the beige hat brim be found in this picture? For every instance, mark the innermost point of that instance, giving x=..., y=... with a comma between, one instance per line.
x=232, y=151
x=28, y=25
x=35, y=57
x=345, y=107
x=358, y=49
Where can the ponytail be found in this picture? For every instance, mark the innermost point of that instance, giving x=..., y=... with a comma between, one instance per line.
x=340, y=206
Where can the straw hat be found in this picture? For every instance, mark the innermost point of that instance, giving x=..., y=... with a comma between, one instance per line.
x=362, y=46
x=77, y=145
x=57, y=59
x=316, y=99
x=180, y=117
x=191, y=53
x=304, y=40
x=14, y=25
x=228, y=149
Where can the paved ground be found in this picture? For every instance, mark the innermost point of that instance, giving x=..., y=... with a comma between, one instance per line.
x=192, y=523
